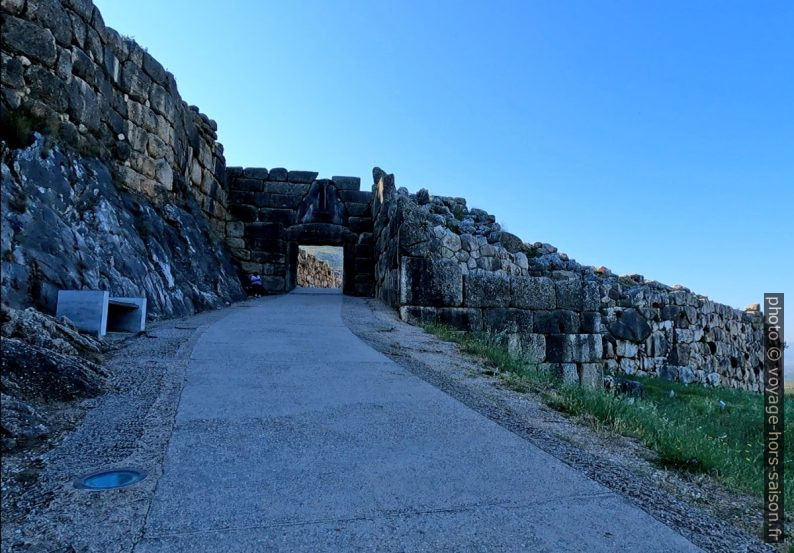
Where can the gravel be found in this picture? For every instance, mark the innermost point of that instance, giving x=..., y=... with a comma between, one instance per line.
x=129, y=426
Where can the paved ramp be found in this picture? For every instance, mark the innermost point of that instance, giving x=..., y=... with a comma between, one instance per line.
x=293, y=435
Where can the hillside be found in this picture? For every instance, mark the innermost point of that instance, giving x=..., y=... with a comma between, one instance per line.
x=330, y=254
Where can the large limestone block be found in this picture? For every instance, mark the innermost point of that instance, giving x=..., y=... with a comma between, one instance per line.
x=630, y=325
x=416, y=236
x=278, y=174
x=591, y=375
x=657, y=345
x=460, y=318
x=486, y=289
x=245, y=184
x=251, y=172
x=278, y=187
x=430, y=282
x=529, y=292
x=591, y=298
x=283, y=216
x=533, y=347
x=306, y=177
x=560, y=321
x=47, y=87
x=162, y=102
x=591, y=322
x=624, y=348
x=570, y=294
x=573, y=348
x=417, y=315
x=154, y=69
x=567, y=373
x=501, y=319
x=135, y=82
x=511, y=242
x=347, y=183
x=29, y=39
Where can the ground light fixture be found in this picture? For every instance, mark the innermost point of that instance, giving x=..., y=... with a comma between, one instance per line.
x=110, y=479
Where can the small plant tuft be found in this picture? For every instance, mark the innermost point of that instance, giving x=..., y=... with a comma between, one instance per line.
x=17, y=127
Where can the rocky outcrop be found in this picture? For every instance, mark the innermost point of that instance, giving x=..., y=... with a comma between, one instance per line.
x=124, y=188
x=46, y=363
x=314, y=273
x=68, y=224
x=44, y=331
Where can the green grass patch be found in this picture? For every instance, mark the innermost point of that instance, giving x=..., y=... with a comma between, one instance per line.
x=698, y=429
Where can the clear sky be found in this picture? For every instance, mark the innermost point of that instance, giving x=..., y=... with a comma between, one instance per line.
x=652, y=137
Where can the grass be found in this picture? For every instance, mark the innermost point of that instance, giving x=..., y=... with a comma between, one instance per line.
x=689, y=429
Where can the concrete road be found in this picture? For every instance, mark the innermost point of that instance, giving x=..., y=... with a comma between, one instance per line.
x=293, y=435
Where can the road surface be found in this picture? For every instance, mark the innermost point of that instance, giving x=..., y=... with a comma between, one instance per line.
x=294, y=435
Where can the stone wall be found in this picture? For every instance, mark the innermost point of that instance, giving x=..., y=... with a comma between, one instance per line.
x=274, y=211
x=124, y=189
x=655, y=329
x=314, y=273
x=437, y=261
x=86, y=86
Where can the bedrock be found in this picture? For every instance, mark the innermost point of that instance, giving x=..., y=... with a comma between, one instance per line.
x=67, y=225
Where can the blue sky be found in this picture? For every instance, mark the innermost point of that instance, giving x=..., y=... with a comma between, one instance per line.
x=649, y=137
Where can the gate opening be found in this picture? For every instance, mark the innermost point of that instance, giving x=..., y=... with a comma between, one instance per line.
x=320, y=267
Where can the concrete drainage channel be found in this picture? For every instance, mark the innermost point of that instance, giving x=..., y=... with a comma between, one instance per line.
x=110, y=479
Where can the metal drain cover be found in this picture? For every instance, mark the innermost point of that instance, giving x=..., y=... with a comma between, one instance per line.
x=110, y=479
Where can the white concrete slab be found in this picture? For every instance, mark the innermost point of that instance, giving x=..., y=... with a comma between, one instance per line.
x=87, y=309
x=97, y=312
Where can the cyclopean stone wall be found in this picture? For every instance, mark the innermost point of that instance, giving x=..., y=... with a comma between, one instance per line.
x=123, y=189
x=274, y=211
x=315, y=273
x=437, y=261
x=651, y=328
x=84, y=85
